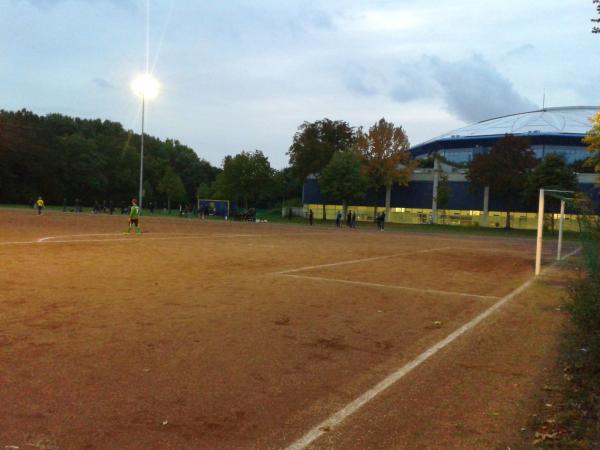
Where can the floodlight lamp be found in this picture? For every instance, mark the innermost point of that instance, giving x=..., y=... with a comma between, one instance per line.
x=146, y=86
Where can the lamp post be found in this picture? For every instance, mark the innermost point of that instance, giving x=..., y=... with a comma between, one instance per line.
x=147, y=87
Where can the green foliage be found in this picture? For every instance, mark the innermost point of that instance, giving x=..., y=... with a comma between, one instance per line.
x=171, y=186
x=246, y=177
x=342, y=179
x=315, y=143
x=592, y=139
x=444, y=192
x=62, y=157
x=552, y=172
x=504, y=169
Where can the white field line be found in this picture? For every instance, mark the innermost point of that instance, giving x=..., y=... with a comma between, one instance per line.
x=135, y=238
x=337, y=418
x=391, y=286
x=355, y=261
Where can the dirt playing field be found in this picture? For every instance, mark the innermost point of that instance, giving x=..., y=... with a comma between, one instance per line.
x=213, y=335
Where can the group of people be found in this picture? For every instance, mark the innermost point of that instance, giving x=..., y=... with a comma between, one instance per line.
x=350, y=219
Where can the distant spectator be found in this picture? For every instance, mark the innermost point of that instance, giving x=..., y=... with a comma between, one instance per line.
x=349, y=219
x=338, y=219
x=353, y=220
x=310, y=216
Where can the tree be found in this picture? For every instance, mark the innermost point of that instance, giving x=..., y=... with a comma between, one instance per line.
x=504, y=169
x=246, y=176
x=592, y=139
x=171, y=187
x=342, y=179
x=444, y=192
x=386, y=158
x=597, y=20
x=553, y=172
x=315, y=143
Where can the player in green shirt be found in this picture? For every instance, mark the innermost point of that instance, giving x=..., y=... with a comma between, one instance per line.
x=134, y=217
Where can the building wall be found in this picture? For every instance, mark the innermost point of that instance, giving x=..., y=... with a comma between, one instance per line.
x=418, y=194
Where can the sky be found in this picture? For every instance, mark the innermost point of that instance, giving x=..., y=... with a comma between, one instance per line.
x=245, y=74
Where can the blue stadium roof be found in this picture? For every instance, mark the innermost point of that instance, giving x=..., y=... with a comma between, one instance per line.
x=565, y=125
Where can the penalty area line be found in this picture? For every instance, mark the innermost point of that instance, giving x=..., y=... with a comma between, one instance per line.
x=391, y=286
x=337, y=418
x=355, y=261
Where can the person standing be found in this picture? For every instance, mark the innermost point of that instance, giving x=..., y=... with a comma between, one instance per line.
x=382, y=221
x=349, y=219
x=338, y=219
x=354, y=219
x=39, y=205
x=310, y=217
x=134, y=217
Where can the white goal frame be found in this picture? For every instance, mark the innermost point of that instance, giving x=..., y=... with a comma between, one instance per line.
x=540, y=228
x=198, y=200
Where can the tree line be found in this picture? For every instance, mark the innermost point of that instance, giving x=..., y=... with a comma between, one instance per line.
x=64, y=159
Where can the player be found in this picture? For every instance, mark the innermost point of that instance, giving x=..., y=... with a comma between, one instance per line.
x=134, y=217
x=39, y=205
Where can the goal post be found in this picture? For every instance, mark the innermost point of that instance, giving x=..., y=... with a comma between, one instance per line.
x=213, y=207
x=563, y=196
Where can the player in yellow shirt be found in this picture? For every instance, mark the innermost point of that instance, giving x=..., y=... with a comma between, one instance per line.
x=39, y=205
x=134, y=217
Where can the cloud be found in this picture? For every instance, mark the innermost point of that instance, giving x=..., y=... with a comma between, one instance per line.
x=474, y=90
x=520, y=50
x=48, y=4
x=362, y=81
x=103, y=83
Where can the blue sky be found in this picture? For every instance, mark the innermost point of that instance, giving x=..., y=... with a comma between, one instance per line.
x=243, y=75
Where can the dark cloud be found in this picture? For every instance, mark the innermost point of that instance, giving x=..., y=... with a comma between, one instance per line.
x=474, y=90
x=362, y=81
x=471, y=88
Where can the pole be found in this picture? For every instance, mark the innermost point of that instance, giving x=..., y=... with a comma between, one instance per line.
x=560, y=229
x=436, y=177
x=540, y=232
x=142, y=154
x=486, y=206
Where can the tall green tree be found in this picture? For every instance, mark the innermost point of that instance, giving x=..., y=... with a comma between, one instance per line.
x=171, y=187
x=504, y=169
x=246, y=177
x=386, y=158
x=342, y=179
x=315, y=143
x=61, y=157
x=592, y=139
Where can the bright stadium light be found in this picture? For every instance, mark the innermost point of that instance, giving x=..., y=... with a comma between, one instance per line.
x=146, y=87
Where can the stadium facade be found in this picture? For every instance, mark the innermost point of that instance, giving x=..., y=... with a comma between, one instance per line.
x=550, y=131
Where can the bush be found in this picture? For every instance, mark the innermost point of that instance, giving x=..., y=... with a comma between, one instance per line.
x=585, y=315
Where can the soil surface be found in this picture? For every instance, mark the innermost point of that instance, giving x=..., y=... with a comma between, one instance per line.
x=214, y=335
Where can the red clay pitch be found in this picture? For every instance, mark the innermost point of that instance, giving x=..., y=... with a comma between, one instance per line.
x=189, y=337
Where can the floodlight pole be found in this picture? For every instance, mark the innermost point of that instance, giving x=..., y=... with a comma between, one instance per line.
x=142, y=153
x=560, y=229
x=540, y=232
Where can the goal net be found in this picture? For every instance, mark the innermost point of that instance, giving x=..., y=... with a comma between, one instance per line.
x=211, y=207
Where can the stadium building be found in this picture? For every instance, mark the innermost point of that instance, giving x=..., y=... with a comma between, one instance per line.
x=550, y=131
